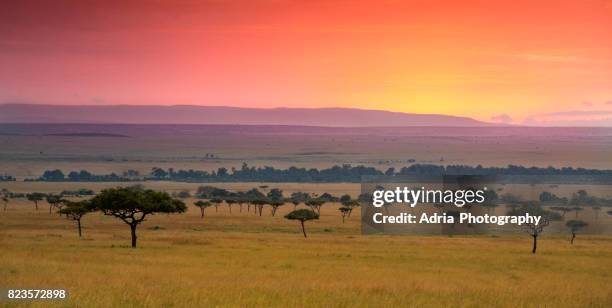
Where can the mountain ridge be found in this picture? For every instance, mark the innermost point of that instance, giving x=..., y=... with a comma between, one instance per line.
x=194, y=114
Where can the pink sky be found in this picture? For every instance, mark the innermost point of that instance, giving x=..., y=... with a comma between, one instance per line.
x=510, y=61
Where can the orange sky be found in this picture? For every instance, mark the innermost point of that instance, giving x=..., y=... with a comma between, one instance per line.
x=523, y=59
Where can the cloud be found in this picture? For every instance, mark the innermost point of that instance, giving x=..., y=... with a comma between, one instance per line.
x=502, y=118
x=587, y=104
x=608, y=103
x=576, y=113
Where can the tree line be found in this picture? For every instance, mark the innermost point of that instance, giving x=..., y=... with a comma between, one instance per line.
x=337, y=174
x=133, y=204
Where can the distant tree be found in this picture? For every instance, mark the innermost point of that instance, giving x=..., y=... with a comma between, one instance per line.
x=302, y=215
x=575, y=226
x=534, y=230
x=240, y=199
x=184, y=194
x=315, y=205
x=35, y=197
x=5, y=199
x=365, y=197
x=259, y=205
x=275, y=199
x=76, y=211
x=216, y=202
x=274, y=205
x=202, y=205
x=349, y=203
x=596, y=210
x=257, y=199
x=576, y=210
x=563, y=209
x=158, y=173
x=275, y=194
x=344, y=211
x=132, y=206
x=230, y=201
x=55, y=201
x=327, y=197
x=299, y=197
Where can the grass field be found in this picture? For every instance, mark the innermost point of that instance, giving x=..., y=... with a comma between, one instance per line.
x=242, y=260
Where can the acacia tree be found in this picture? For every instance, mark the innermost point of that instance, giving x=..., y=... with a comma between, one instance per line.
x=577, y=209
x=35, y=197
x=216, y=202
x=55, y=201
x=275, y=199
x=302, y=215
x=274, y=205
x=259, y=205
x=534, y=230
x=299, y=197
x=202, y=205
x=575, y=226
x=133, y=205
x=76, y=211
x=345, y=211
x=563, y=209
x=5, y=199
x=350, y=204
x=230, y=201
x=315, y=205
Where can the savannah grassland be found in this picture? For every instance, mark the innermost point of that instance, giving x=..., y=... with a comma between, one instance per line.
x=241, y=259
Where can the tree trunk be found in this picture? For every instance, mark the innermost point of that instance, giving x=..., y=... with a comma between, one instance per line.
x=50, y=206
x=79, y=225
x=36, y=204
x=343, y=218
x=273, y=211
x=133, y=229
x=240, y=207
x=303, y=229
x=573, y=237
x=202, y=210
x=216, y=208
x=349, y=213
x=535, y=243
x=230, y=208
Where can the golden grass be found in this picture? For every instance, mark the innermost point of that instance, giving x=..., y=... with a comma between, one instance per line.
x=243, y=260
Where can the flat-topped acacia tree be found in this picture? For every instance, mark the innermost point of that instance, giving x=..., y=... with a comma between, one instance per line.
x=5, y=199
x=202, y=205
x=575, y=226
x=76, y=211
x=315, y=205
x=535, y=209
x=55, y=201
x=132, y=205
x=35, y=197
x=302, y=215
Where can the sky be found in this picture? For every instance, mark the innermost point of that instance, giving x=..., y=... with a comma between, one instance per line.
x=522, y=62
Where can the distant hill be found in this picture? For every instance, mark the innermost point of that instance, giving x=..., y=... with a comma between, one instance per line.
x=187, y=114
